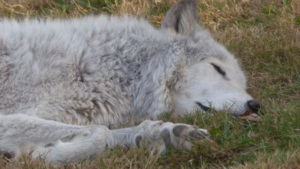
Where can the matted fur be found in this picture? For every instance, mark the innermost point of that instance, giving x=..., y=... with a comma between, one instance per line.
x=101, y=70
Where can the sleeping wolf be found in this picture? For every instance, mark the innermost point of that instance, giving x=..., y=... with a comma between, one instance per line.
x=63, y=82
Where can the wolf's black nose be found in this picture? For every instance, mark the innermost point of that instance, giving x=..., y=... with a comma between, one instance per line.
x=253, y=105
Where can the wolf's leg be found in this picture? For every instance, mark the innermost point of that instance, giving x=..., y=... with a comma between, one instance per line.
x=55, y=142
x=160, y=135
x=61, y=143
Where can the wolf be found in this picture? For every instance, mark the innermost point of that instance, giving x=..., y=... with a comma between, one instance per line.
x=66, y=85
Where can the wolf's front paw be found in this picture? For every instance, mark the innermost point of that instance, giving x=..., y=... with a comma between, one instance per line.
x=162, y=136
x=191, y=133
x=182, y=136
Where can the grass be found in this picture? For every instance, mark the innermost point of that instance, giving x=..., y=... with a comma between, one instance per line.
x=263, y=34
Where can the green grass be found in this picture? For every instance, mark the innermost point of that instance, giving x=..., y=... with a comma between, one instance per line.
x=264, y=35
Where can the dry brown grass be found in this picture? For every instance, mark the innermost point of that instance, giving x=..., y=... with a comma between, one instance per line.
x=276, y=160
x=263, y=34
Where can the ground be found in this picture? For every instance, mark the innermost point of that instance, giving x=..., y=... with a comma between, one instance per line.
x=263, y=34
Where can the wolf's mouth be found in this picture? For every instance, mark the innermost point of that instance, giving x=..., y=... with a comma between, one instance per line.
x=205, y=108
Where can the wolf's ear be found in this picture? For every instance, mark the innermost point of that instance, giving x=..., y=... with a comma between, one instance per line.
x=182, y=18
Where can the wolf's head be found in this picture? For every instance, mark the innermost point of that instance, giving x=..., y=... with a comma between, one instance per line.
x=213, y=76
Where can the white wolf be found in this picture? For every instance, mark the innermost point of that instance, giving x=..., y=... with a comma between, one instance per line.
x=63, y=82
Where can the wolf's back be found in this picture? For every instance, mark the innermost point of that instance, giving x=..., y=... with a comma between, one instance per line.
x=77, y=61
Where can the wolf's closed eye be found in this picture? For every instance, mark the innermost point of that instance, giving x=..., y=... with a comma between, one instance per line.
x=219, y=70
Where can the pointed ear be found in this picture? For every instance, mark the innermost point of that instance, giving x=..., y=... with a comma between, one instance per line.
x=182, y=18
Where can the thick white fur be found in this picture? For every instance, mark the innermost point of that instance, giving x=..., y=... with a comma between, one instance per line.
x=211, y=89
x=63, y=82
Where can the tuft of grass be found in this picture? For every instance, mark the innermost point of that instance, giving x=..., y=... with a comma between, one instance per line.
x=263, y=35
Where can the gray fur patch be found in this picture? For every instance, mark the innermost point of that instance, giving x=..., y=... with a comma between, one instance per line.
x=138, y=139
x=177, y=130
x=165, y=135
x=49, y=145
x=196, y=135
